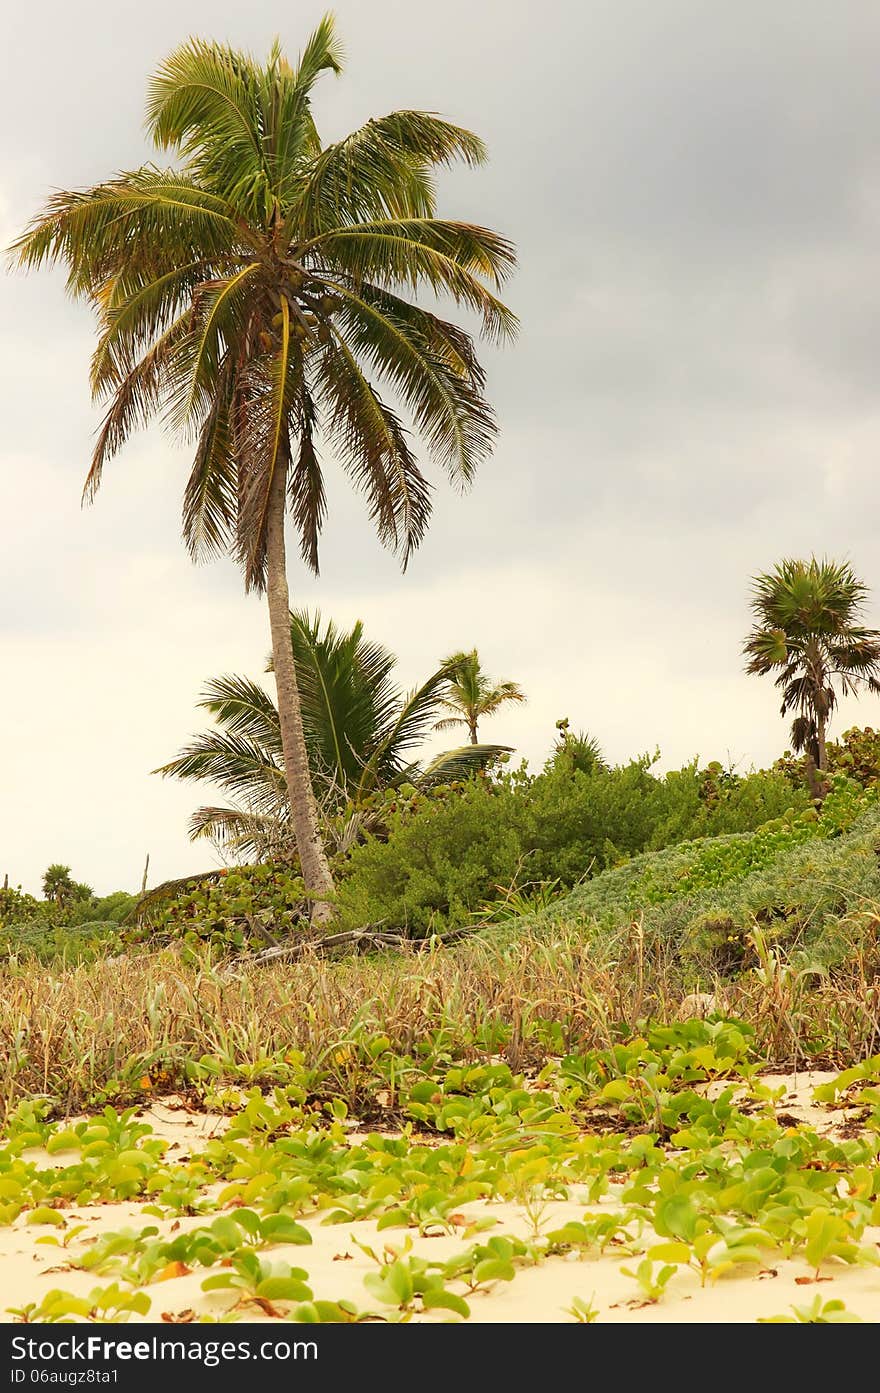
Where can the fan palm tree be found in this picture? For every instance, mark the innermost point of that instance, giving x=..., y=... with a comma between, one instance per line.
x=58, y=884
x=256, y=296
x=472, y=694
x=360, y=731
x=809, y=631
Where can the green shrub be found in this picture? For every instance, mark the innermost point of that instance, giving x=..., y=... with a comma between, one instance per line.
x=32, y=925
x=438, y=863
x=107, y=909
x=711, y=802
x=713, y=863
x=800, y=881
x=50, y=942
x=856, y=754
x=77, y=931
x=226, y=910
x=442, y=862
x=17, y=907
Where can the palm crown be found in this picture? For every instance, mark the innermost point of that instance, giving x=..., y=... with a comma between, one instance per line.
x=249, y=294
x=472, y=695
x=809, y=631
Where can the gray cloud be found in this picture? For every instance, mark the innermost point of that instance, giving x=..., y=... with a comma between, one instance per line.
x=695, y=191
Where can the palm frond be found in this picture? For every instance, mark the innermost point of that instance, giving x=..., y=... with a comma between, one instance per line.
x=135, y=403
x=452, y=416
x=135, y=310
x=245, y=833
x=460, y=763
x=448, y=722
x=407, y=728
x=263, y=447
x=221, y=311
x=241, y=767
x=307, y=498
x=163, y=217
x=374, y=449
x=346, y=695
x=210, y=499
x=245, y=708
x=378, y=172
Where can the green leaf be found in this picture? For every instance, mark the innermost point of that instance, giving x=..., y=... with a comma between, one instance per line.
x=440, y=1299
x=676, y=1216
x=283, y=1289
x=63, y=1303
x=63, y=1141
x=670, y=1252
x=617, y=1091
x=43, y=1215
x=227, y=1231
x=248, y=1220
x=393, y=1285
x=281, y=1228
x=393, y=1219
x=494, y=1270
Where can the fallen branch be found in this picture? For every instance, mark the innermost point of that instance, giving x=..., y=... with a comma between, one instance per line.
x=361, y=940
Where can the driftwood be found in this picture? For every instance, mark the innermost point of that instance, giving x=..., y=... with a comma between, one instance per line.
x=360, y=940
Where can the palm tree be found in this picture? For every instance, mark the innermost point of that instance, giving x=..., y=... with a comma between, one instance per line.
x=808, y=631
x=473, y=695
x=360, y=731
x=255, y=295
x=576, y=753
x=60, y=886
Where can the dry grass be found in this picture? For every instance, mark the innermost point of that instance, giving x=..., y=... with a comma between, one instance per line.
x=78, y=1032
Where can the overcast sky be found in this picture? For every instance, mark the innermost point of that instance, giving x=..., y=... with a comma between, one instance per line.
x=694, y=189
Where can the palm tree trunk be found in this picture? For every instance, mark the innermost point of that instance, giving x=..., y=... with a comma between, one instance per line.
x=813, y=785
x=303, y=808
x=472, y=727
x=820, y=743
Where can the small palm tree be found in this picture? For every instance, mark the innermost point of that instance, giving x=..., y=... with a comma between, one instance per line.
x=58, y=884
x=361, y=732
x=257, y=296
x=472, y=694
x=575, y=752
x=809, y=631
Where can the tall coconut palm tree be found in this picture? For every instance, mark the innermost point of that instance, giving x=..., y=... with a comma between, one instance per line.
x=360, y=730
x=809, y=631
x=472, y=694
x=255, y=296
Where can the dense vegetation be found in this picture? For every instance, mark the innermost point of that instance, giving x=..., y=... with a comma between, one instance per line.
x=83, y=926
x=445, y=860
x=710, y=852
